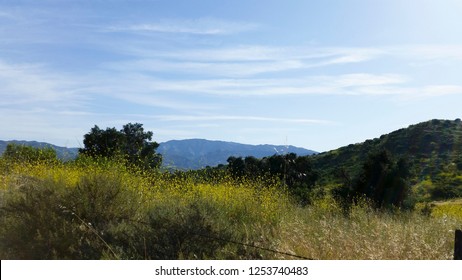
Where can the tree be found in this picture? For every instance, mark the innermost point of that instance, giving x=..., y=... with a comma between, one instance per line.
x=23, y=153
x=296, y=173
x=384, y=180
x=131, y=142
x=236, y=166
x=102, y=143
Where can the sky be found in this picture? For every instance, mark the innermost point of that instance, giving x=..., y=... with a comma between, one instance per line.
x=313, y=74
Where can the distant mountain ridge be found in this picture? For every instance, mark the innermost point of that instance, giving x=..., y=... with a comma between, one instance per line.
x=199, y=153
x=428, y=146
x=62, y=152
x=187, y=154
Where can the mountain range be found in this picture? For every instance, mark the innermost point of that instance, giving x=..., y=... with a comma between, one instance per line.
x=187, y=154
x=199, y=153
x=428, y=146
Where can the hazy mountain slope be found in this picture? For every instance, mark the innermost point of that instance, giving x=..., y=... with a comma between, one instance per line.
x=187, y=154
x=199, y=153
x=62, y=152
x=428, y=146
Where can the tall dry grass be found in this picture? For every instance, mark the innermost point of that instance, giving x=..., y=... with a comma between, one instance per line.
x=324, y=231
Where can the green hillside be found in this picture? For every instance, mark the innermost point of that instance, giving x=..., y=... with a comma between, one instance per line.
x=429, y=147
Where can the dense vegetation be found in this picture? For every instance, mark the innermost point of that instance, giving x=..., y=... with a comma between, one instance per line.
x=113, y=205
x=421, y=163
x=429, y=147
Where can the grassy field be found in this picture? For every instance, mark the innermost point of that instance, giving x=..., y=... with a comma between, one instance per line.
x=103, y=210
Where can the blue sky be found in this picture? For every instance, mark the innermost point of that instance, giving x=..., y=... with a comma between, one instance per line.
x=315, y=74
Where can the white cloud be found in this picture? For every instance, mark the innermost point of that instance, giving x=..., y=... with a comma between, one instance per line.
x=315, y=85
x=34, y=84
x=264, y=53
x=220, y=69
x=200, y=26
x=220, y=118
x=173, y=93
x=426, y=52
x=365, y=79
x=242, y=61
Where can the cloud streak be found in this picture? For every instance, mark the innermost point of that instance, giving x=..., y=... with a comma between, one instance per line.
x=242, y=62
x=221, y=118
x=355, y=84
x=243, y=71
x=34, y=84
x=200, y=26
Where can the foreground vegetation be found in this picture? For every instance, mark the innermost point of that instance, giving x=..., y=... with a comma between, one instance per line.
x=104, y=209
x=113, y=201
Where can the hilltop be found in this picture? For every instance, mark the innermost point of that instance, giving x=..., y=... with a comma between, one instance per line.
x=428, y=147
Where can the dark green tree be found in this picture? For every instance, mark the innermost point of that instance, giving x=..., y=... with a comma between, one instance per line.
x=236, y=166
x=24, y=153
x=103, y=143
x=252, y=167
x=384, y=180
x=294, y=172
x=131, y=142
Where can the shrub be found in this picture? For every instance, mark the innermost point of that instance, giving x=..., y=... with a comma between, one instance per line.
x=28, y=154
x=48, y=219
x=33, y=223
x=102, y=209
x=441, y=192
x=181, y=232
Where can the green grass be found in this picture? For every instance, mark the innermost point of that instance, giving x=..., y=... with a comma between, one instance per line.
x=103, y=210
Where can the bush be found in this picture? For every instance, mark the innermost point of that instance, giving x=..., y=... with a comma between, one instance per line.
x=33, y=223
x=441, y=192
x=28, y=154
x=181, y=232
x=101, y=209
x=47, y=219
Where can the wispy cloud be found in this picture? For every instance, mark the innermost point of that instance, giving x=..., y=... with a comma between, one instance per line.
x=243, y=61
x=426, y=52
x=240, y=61
x=200, y=26
x=409, y=93
x=244, y=70
x=356, y=84
x=218, y=69
x=34, y=84
x=242, y=53
x=221, y=118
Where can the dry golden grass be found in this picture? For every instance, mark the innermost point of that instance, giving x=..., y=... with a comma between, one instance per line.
x=323, y=232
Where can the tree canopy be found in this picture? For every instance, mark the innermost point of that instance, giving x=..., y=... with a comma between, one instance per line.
x=131, y=142
x=295, y=172
x=383, y=180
